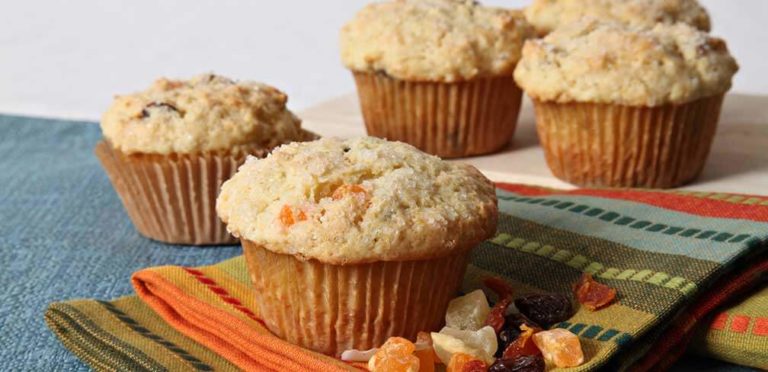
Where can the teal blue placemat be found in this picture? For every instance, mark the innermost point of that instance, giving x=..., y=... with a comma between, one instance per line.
x=63, y=234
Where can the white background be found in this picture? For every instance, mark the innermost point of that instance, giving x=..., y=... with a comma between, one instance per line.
x=67, y=58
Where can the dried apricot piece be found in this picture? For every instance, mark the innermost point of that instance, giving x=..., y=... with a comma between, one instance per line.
x=345, y=190
x=523, y=345
x=466, y=363
x=425, y=352
x=396, y=355
x=286, y=216
x=593, y=294
x=560, y=347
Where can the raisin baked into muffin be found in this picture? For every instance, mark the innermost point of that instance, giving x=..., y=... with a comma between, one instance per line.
x=344, y=239
x=168, y=149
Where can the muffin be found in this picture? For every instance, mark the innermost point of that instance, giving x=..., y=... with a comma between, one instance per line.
x=621, y=106
x=168, y=149
x=349, y=242
x=437, y=73
x=547, y=15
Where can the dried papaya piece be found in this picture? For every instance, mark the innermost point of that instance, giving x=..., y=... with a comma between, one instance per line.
x=286, y=216
x=461, y=362
x=523, y=345
x=425, y=352
x=288, y=219
x=495, y=318
x=593, y=294
x=560, y=347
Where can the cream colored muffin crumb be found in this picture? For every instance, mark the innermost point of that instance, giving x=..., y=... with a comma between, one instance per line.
x=547, y=15
x=608, y=62
x=434, y=40
x=205, y=113
x=359, y=200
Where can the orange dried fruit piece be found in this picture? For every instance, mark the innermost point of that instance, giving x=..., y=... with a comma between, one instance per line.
x=560, y=347
x=593, y=294
x=466, y=363
x=344, y=190
x=396, y=355
x=287, y=218
x=425, y=352
x=523, y=345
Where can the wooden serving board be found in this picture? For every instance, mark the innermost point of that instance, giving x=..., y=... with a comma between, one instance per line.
x=738, y=162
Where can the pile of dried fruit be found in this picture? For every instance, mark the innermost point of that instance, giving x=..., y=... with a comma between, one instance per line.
x=478, y=337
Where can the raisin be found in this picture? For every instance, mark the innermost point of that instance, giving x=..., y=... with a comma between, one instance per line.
x=525, y=363
x=592, y=294
x=158, y=105
x=545, y=309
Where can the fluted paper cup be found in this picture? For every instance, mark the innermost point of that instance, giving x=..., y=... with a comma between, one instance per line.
x=332, y=308
x=172, y=198
x=626, y=146
x=449, y=120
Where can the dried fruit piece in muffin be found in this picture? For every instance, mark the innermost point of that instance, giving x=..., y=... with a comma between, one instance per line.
x=560, y=347
x=593, y=294
x=466, y=363
x=396, y=355
x=468, y=312
x=525, y=363
x=480, y=344
x=545, y=309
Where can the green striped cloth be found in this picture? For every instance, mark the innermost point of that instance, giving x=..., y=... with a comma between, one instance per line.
x=674, y=258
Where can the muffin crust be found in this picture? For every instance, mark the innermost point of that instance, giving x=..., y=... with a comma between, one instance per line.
x=206, y=113
x=359, y=200
x=547, y=15
x=608, y=62
x=434, y=40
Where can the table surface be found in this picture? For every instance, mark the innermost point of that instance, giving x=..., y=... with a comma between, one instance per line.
x=738, y=162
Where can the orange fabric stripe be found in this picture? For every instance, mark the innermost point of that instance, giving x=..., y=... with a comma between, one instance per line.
x=242, y=344
x=673, y=202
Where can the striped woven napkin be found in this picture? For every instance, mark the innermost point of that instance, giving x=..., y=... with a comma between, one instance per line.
x=674, y=258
